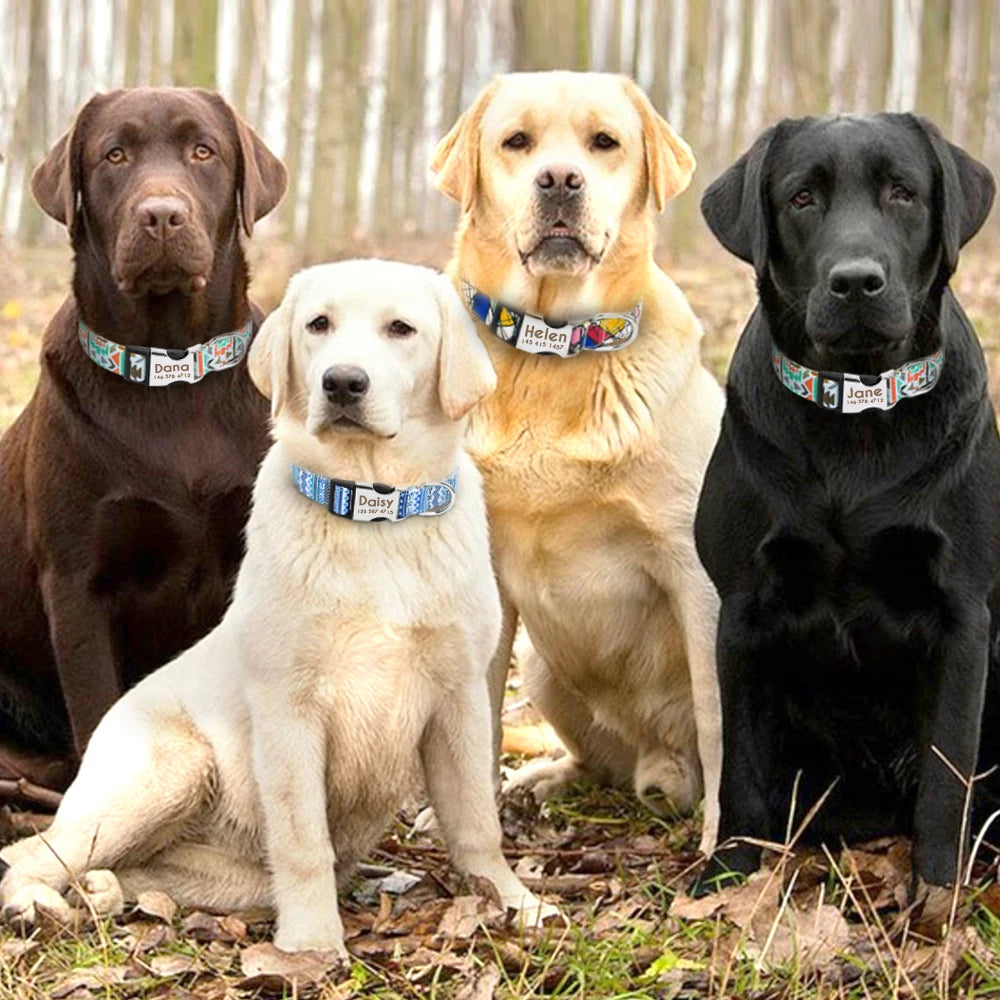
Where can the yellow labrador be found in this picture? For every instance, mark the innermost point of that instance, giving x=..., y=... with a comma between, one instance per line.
x=265, y=761
x=592, y=463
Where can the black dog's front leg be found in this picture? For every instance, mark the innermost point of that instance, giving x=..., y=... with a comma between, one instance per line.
x=747, y=758
x=952, y=693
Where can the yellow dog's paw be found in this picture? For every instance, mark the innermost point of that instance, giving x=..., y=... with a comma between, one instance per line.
x=99, y=891
x=532, y=911
x=545, y=778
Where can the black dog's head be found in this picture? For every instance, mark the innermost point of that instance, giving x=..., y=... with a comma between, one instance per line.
x=853, y=225
x=154, y=179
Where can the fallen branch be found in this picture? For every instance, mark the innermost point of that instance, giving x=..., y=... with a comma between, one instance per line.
x=21, y=788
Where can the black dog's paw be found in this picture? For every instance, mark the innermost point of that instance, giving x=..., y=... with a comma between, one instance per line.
x=727, y=867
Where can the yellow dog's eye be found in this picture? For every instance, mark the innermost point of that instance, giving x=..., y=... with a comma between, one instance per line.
x=202, y=152
x=116, y=155
x=519, y=140
x=604, y=141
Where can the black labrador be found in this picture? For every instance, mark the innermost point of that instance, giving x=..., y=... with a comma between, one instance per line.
x=850, y=515
x=122, y=501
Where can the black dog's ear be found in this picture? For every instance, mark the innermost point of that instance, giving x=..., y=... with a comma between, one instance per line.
x=966, y=194
x=734, y=205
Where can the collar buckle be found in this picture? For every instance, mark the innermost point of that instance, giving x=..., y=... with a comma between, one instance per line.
x=137, y=365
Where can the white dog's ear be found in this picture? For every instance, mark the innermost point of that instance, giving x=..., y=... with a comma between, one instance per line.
x=455, y=163
x=669, y=160
x=465, y=375
x=270, y=358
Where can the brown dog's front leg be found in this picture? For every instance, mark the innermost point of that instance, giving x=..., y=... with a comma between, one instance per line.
x=84, y=653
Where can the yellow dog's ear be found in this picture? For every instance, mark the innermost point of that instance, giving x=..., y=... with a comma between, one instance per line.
x=465, y=375
x=669, y=161
x=270, y=359
x=455, y=163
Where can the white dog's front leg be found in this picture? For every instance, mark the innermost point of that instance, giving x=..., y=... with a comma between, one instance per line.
x=289, y=757
x=457, y=757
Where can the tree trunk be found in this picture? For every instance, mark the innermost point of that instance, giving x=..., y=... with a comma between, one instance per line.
x=133, y=42
x=295, y=113
x=37, y=115
x=195, y=29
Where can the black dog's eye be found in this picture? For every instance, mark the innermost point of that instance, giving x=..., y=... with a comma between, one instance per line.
x=202, y=152
x=318, y=324
x=900, y=192
x=400, y=328
x=604, y=141
x=803, y=199
x=519, y=140
x=115, y=155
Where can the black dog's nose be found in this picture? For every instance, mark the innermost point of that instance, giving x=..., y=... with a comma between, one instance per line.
x=858, y=277
x=559, y=179
x=162, y=216
x=345, y=384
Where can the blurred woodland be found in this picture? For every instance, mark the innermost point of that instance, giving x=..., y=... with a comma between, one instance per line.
x=354, y=93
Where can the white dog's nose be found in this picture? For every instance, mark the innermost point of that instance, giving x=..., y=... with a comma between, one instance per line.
x=345, y=384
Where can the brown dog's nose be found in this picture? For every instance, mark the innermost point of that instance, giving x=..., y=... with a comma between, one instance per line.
x=345, y=384
x=162, y=216
x=559, y=178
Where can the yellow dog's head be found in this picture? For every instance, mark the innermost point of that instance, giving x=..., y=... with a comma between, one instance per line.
x=555, y=165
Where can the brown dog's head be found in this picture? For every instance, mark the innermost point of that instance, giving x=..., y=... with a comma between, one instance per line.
x=154, y=178
x=558, y=162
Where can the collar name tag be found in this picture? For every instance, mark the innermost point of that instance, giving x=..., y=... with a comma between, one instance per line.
x=842, y=392
x=357, y=501
x=536, y=335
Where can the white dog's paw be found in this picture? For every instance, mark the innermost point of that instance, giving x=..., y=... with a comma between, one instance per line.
x=667, y=784
x=532, y=911
x=100, y=891
x=546, y=777
x=19, y=905
x=308, y=934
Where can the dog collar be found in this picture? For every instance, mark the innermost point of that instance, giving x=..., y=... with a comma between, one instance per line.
x=163, y=366
x=375, y=501
x=535, y=335
x=844, y=393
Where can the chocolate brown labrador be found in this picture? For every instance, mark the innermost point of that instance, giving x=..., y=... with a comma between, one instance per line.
x=122, y=502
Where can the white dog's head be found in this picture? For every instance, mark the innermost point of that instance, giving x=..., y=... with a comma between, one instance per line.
x=369, y=349
x=561, y=163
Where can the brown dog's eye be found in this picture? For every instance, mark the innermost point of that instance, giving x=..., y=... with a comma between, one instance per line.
x=202, y=152
x=399, y=328
x=116, y=155
x=901, y=193
x=604, y=141
x=803, y=198
x=519, y=140
x=318, y=324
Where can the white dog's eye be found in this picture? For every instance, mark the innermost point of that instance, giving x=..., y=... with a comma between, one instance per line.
x=519, y=140
x=602, y=140
x=400, y=328
x=318, y=324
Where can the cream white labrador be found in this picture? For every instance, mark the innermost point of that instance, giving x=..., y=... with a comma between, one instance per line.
x=592, y=464
x=264, y=762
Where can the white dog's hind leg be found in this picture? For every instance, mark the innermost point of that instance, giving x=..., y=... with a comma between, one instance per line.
x=142, y=774
x=457, y=759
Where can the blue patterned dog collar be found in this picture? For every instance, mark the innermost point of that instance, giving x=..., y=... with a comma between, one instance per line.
x=535, y=335
x=163, y=366
x=375, y=501
x=840, y=392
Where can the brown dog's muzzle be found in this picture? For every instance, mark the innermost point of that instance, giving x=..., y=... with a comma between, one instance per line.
x=162, y=245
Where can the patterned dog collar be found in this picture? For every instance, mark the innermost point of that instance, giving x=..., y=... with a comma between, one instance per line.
x=535, y=335
x=163, y=366
x=375, y=501
x=843, y=393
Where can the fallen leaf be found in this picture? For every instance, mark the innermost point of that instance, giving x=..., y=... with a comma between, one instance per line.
x=206, y=927
x=812, y=940
x=169, y=966
x=94, y=979
x=268, y=970
x=482, y=987
x=156, y=904
x=145, y=935
x=462, y=918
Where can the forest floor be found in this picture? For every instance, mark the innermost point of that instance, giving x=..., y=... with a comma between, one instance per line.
x=819, y=925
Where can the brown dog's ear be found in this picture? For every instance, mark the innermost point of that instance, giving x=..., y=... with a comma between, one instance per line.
x=56, y=181
x=465, y=375
x=261, y=178
x=270, y=359
x=455, y=163
x=669, y=160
